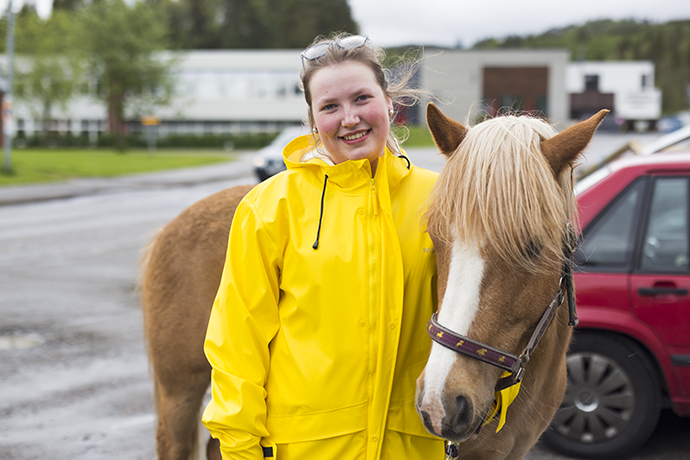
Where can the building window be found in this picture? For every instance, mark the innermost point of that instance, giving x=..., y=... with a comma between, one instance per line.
x=591, y=82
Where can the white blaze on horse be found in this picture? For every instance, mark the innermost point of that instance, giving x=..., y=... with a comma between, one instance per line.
x=499, y=219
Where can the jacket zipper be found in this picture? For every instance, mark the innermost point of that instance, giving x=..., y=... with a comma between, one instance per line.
x=374, y=428
x=373, y=310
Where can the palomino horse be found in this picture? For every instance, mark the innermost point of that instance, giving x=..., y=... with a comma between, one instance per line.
x=500, y=279
x=182, y=270
x=500, y=219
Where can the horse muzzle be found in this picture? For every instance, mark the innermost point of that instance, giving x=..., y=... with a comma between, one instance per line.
x=453, y=419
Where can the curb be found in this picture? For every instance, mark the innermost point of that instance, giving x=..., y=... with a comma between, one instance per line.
x=23, y=194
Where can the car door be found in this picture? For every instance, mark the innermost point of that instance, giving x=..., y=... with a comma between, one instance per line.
x=660, y=281
x=605, y=256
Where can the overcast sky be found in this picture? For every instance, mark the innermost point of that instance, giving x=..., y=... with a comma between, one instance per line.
x=447, y=22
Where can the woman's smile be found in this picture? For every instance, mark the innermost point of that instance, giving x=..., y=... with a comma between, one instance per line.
x=352, y=138
x=350, y=111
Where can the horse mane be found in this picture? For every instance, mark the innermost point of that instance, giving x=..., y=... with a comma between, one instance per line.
x=498, y=190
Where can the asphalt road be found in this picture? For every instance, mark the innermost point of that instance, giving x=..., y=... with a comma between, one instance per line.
x=74, y=377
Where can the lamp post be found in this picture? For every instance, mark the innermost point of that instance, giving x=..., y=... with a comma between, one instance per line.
x=7, y=100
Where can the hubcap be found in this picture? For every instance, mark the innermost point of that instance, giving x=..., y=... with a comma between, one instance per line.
x=587, y=400
x=599, y=400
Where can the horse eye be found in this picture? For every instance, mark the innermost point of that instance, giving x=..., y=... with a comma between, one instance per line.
x=533, y=249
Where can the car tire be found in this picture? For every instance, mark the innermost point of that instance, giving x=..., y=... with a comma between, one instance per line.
x=612, y=401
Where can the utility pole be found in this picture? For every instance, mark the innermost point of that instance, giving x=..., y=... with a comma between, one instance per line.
x=7, y=100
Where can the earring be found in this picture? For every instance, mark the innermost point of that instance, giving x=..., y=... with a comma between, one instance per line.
x=315, y=130
x=390, y=113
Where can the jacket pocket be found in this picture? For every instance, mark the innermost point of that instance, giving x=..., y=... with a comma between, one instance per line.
x=285, y=429
x=405, y=419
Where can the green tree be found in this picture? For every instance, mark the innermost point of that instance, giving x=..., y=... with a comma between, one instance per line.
x=48, y=67
x=123, y=46
x=67, y=5
x=297, y=22
x=247, y=24
x=253, y=24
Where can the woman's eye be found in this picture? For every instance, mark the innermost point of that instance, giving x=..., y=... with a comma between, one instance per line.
x=328, y=107
x=362, y=97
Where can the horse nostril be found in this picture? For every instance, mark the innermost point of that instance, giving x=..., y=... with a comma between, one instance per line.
x=463, y=413
x=425, y=418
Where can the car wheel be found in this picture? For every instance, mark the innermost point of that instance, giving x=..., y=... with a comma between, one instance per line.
x=612, y=402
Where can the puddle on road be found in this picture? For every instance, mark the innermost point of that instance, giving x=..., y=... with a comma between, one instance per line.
x=20, y=342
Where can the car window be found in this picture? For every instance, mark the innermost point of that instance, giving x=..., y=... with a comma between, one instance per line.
x=665, y=244
x=608, y=242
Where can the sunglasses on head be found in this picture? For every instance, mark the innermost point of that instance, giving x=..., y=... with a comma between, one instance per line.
x=347, y=43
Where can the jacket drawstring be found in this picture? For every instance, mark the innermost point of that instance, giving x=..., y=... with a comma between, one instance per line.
x=323, y=194
x=409, y=164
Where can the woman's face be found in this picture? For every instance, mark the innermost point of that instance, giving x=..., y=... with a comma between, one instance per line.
x=350, y=111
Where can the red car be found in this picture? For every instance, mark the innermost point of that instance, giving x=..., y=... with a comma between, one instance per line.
x=630, y=355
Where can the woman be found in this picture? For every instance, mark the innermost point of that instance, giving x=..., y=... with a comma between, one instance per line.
x=317, y=334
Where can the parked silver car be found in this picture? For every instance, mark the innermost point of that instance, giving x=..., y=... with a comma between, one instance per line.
x=269, y=160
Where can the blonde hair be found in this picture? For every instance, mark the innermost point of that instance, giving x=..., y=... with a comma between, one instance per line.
x=498, y=191
x=398, y=91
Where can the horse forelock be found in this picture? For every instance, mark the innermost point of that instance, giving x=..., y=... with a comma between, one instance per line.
x=498, y=192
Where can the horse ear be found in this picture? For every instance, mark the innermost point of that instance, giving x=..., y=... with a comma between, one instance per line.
x=563, y=148
x=447, y=133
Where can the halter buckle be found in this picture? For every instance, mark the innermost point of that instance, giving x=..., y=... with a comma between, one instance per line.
x=519, y=374
x=452, y=450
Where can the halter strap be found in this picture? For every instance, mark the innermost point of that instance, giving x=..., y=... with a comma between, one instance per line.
x=472, y=348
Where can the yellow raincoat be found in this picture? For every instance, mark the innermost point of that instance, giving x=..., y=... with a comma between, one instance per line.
x=315, y=352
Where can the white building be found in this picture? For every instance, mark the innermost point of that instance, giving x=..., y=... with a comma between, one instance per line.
x=216, y=92
x=233, y=91
x=625, y=87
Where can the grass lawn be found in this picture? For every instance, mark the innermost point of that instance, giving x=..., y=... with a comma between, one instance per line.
x=417, y=136
x=51, y=165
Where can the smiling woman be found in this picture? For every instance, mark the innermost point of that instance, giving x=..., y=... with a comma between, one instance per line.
x=351, y=112
x=351, y=99
x=328, y=275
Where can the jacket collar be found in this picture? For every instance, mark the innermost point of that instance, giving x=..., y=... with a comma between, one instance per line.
x=350, y=174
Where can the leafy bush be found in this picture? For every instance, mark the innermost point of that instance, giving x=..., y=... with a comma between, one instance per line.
x=139, y=140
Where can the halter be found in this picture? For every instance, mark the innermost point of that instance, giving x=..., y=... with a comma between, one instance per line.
x=490, y=355
x=513, y=365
